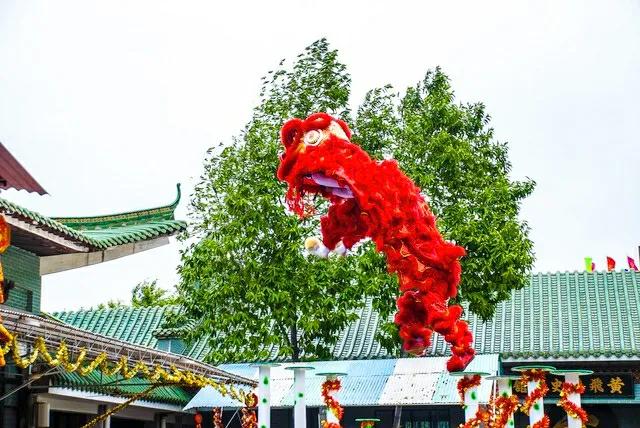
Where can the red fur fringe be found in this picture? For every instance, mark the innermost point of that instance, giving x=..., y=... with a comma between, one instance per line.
x=388, y=208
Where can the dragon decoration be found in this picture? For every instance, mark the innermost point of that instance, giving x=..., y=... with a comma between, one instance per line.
x=375, y=199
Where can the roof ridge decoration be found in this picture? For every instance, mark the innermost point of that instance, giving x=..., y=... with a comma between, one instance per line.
x=128, y=218
x=38, y=219
x=100, y=233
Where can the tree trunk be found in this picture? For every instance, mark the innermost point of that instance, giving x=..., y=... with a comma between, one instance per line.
x=294, y=343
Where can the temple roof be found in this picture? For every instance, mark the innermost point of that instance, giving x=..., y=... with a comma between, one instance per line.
x=46, y=236
x=556, y=317
x=30, y=328
x=89, y=225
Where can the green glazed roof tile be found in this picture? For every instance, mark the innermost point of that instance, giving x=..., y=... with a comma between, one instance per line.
x=558, y=315
x=134, y=325
x=97, y=381
x=46, y=223
x=130, y=218
x=101, y=232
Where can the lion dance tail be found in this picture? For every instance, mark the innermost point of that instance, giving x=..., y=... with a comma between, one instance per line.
x=423, y=308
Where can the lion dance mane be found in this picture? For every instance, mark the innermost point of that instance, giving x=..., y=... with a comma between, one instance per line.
x=374, y=199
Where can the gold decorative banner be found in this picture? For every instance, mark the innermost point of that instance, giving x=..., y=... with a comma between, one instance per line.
x=82, y=366
x=596, y=385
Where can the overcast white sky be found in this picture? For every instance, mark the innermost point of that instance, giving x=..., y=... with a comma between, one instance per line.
x=110, y=103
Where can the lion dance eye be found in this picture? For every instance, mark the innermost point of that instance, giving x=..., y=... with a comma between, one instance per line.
x=312, y=138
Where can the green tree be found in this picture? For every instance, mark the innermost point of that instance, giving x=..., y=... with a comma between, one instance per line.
x=148, y=293
x=111, y=304
x=450, y=152
x=244, y=278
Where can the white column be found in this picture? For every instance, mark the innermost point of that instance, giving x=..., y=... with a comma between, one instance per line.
x=264, y=396
x=162, y=421
x=103, y=408
x=536, y=413
x=42, y=414
x=471, y=403
x=573, y=378
x=330, y=416
x=505, y=386
x=299, y=397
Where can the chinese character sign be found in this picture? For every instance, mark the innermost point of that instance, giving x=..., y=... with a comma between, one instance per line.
x=596, y=385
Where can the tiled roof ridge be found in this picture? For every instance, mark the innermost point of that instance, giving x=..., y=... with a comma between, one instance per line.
x=117, y=310
x=110, y=233
x=165, y=212
x=55, y=226
x=557, y=315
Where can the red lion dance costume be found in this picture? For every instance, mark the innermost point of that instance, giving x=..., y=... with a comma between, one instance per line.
x=375, y=199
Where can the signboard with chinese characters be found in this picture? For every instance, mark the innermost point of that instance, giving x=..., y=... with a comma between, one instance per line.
x=596, y=385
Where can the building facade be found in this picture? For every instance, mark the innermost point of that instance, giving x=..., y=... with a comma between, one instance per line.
x=570, y=320
x=35, y=392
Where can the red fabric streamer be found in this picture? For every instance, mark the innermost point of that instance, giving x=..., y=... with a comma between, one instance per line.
x=632, y=263
x=329, y=387
x=611, y=264
x=375, y=199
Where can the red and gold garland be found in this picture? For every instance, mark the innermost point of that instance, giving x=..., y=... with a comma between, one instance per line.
x=481, y=418
x=367, y=424
x=465, y=383
x=504, y=407
x=197, y=419
x=570, y=407
x=535, y=375
x=216, y=415
x=249, y=418
x=329, y=387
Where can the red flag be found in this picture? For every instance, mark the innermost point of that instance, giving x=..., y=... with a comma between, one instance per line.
x=611, y=264
x=632, y=263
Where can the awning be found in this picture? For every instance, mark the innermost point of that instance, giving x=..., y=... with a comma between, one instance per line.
x=390, y=382
x=13, y=175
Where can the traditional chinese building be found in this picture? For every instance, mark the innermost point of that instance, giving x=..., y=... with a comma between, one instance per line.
x=59, y=375
x=570, y=320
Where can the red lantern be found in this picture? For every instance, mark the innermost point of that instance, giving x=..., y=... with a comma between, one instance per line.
x=5, y=234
